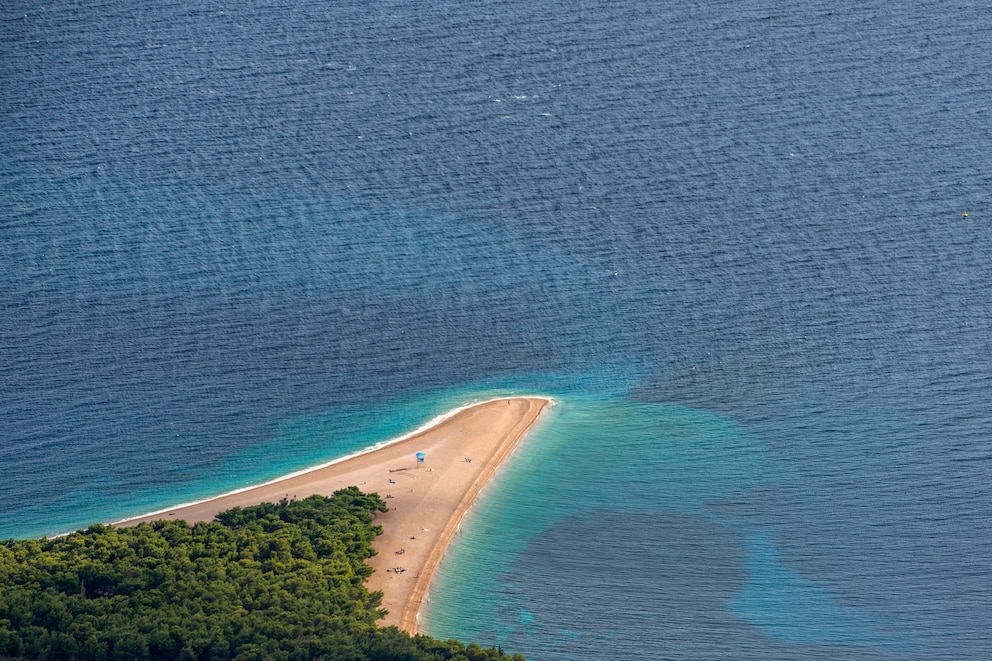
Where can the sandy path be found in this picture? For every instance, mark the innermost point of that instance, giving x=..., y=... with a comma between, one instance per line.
x=426, y=501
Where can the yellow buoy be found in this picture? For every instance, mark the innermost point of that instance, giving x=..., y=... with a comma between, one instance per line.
x=965, y=213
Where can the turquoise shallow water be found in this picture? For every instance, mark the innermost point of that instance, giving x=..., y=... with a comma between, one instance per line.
x=238, y=241
x=605, y=524
x=590, y=461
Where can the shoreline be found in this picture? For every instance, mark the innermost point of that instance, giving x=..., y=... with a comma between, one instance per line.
x=427, y=500
x=427, y=426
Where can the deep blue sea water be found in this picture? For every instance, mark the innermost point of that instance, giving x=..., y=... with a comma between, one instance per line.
x=728, y=237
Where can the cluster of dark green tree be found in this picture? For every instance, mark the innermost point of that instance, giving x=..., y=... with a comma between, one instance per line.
x=276, y=582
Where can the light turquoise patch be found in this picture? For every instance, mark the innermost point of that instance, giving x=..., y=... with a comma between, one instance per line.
x=790, y=608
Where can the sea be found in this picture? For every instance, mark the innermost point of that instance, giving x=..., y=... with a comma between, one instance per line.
x=746, y=246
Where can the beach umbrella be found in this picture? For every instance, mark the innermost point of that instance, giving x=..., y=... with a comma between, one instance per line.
x=420, y=457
